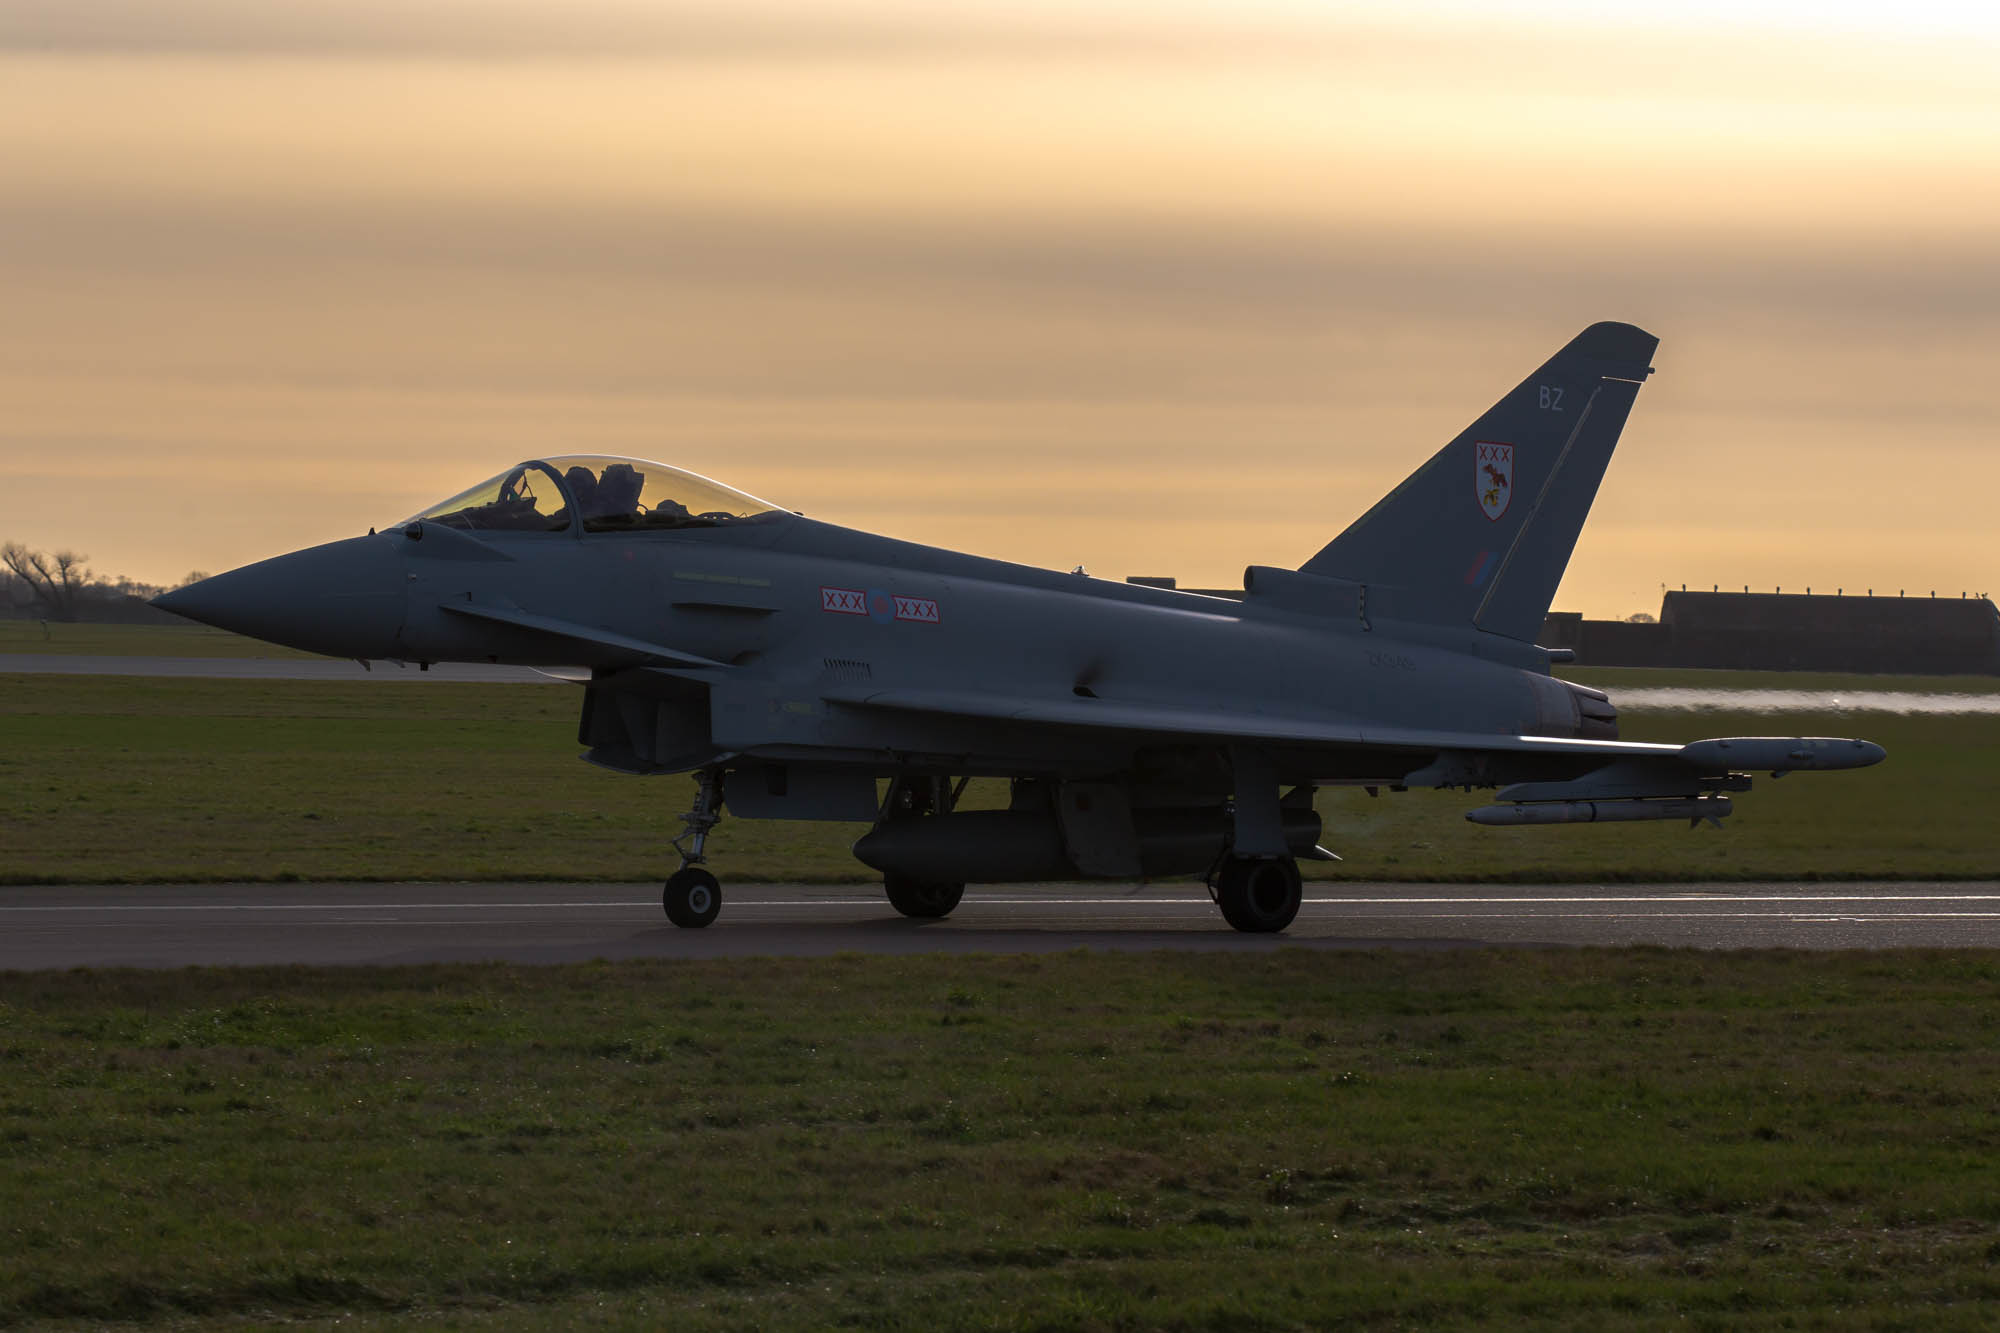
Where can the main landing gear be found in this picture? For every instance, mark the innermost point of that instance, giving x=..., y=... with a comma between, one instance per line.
x=921, y=798
x=922, y=898
x=1257, y=894
x=693, y=896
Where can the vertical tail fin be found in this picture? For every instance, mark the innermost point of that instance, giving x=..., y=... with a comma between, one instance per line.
x=1482, y=532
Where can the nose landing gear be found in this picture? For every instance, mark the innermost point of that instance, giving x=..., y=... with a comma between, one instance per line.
x=693, y=896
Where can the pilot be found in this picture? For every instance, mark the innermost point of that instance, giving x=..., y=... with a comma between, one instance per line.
x=582, y=483
x=618, y=489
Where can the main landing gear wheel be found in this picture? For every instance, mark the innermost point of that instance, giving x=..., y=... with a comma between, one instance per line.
x=922, y=898
x=1258, y=894
x=692, y=897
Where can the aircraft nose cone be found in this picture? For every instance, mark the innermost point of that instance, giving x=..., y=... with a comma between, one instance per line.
x=344, y=599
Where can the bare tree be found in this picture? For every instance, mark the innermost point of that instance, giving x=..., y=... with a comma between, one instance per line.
x=57, y=579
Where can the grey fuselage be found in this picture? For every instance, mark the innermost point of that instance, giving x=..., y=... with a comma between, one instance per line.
x=802, y=615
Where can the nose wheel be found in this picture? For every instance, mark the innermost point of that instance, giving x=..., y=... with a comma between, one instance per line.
x=692, y=896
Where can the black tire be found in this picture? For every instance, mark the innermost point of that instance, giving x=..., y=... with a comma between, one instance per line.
x=1259, y=894
x=922, y=898
x=692, y=897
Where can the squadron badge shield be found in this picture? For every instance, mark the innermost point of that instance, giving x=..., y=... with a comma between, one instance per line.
x=1493, y=477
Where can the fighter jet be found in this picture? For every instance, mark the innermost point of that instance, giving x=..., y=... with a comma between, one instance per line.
x=801, y=670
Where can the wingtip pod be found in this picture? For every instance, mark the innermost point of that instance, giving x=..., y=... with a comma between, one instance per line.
x=1782, y=754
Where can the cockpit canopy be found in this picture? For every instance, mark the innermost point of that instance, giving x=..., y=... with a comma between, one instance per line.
x=602, y=493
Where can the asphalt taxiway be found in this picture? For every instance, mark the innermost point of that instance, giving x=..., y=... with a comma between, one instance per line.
x=275, y=668
x=171, y=925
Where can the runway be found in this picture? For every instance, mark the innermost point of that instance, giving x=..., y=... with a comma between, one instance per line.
x=276, y=668
x=238, y=924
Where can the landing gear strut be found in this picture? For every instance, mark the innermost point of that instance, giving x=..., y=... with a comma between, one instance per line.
x=693, y=896
x=1258, y=894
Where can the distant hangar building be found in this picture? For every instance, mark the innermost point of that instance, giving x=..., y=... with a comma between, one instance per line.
x=1778, y=631
x=1932, y=636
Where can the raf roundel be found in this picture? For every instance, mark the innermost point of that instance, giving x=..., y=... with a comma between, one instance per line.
x=881, y=607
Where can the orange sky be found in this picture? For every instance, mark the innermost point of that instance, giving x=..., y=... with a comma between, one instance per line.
x=1163, y=289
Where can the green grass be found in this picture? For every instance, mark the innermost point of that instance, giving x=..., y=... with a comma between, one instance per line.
x=1565, y=1138
x=188, y=640
x=140, y=778
x=1614, y=679
x=145, y=779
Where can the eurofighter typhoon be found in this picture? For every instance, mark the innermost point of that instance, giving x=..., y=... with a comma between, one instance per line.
x=801, y=670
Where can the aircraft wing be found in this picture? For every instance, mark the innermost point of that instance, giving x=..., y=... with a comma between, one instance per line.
x=1211, y=724
x=1614, y=768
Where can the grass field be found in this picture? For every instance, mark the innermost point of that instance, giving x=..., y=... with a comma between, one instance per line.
x=1569, y=1138
x=143, y=779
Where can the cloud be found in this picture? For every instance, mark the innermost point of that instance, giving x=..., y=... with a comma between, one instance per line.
x=1719, y=51
x=1059, y=283
x=651, y=29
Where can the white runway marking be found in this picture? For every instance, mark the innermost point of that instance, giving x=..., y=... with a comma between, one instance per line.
x=1711, y=903
x=1693, y=916
x=975, y=898
x=327, y=907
